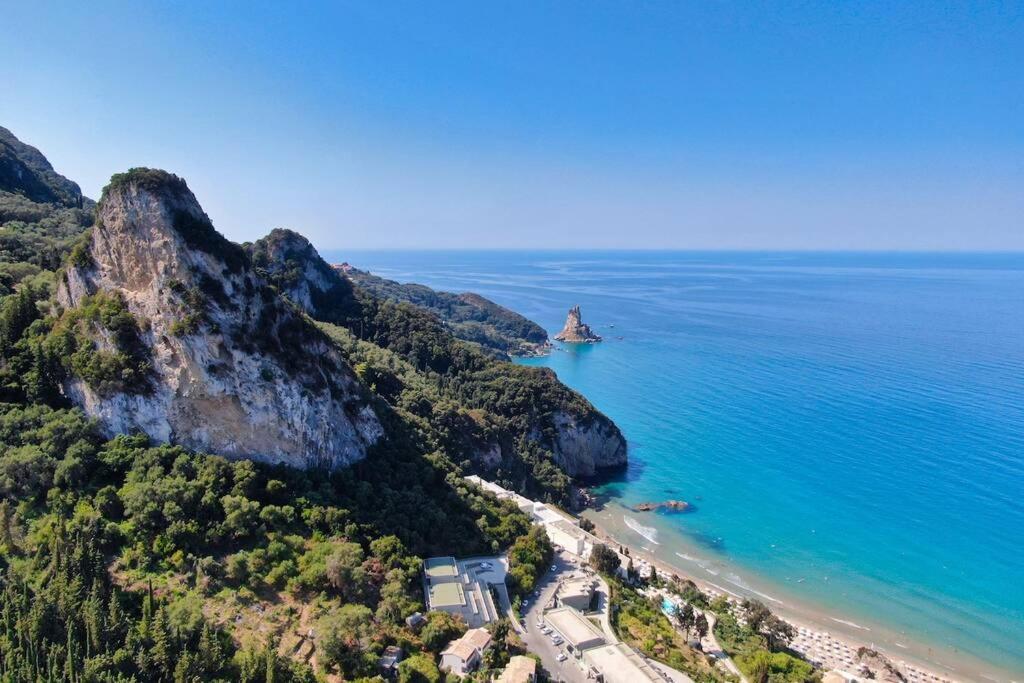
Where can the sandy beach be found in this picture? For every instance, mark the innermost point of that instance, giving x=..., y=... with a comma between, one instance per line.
x=827, y=639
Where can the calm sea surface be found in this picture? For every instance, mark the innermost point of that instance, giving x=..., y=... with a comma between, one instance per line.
x=849, y=426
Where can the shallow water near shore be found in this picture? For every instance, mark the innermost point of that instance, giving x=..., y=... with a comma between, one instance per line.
x=849, y=427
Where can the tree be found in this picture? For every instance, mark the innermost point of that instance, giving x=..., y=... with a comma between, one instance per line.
x=441, y=628
x=604, y=559
x=758, y=667
x=684, y=617
x=343, y=634
x=776, y=632
x=344, y=568
x=700, y=624
x=419, y=668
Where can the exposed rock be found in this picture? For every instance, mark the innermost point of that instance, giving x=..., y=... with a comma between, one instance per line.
x=575, y=330
x=582, y=447
x=673, y=505
x=236, y=368
x=295, y=267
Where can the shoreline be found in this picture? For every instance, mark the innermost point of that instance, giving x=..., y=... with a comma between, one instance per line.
x=818, y=629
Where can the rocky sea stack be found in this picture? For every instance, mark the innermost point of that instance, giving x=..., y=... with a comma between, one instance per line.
x=575, y=330
x=190, y=345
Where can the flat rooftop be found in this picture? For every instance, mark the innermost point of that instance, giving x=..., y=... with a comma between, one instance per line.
x=577, y=586
x=620, y=664
x=446, y=595
x=574, y=627
x=440, y=567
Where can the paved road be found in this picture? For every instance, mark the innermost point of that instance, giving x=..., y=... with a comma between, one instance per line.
x=541, y=644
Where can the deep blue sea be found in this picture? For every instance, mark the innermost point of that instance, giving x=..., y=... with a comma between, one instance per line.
x=849, y=426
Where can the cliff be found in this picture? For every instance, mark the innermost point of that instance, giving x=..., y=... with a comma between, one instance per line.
x=169, y=330
x=575, y=330
x=480, y=407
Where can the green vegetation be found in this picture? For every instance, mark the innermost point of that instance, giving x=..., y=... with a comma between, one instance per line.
x=462, y=399
x=205, y=530
x=605, y=560
x=468, y=316
x=25, y=171
x=71, y=344
x=528, y=559
x=758, y=644
x=754, y=637
x=124, y=560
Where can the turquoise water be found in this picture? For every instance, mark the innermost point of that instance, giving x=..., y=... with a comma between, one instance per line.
x=850, y=426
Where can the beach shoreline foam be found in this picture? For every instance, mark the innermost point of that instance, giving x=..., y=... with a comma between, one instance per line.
x=822, y=635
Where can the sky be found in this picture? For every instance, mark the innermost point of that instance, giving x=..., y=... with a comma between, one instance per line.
x=607, y=125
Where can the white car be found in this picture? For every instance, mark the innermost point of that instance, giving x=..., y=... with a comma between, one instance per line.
x=557, y=640
x=561, y=657
x=554, y=568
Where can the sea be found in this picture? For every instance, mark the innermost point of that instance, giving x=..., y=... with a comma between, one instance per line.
x=848, y=427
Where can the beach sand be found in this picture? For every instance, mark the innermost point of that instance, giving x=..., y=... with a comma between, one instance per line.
x=823, y=637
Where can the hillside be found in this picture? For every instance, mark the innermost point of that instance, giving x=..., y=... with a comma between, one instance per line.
x=126, y=558
x=42, y=213
x=501, y=419
x=468, y=316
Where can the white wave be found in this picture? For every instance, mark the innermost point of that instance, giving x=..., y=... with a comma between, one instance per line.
x=650, y=533
x=699, y=562
x=850, y=624
x=737, y=581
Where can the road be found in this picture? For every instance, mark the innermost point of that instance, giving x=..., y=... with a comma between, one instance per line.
x=539, y=643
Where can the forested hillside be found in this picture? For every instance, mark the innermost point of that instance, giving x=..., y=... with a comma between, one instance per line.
x=467, y=316
x=517, y=424
x=124, y=558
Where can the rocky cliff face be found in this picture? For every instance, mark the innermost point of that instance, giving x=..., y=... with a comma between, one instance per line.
x=575, y=330
x=234, y=368
x=580, y=439
x=293, y=265
x=582, y=447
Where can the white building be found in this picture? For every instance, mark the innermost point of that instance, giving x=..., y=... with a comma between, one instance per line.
x=463, y=656
x=618, y=663
x=576, y=593
x=578, y=632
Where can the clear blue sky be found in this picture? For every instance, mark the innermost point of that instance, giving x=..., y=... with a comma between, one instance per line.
x=832, y=125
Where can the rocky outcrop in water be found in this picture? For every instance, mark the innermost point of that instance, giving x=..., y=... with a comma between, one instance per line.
x=230, y=366
x=575, y=330
x=670, y=505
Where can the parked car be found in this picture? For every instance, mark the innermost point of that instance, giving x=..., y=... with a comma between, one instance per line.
x=554, y=568
x=561, y=657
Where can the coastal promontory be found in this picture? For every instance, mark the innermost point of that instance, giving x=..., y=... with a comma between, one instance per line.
x=575, y=330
